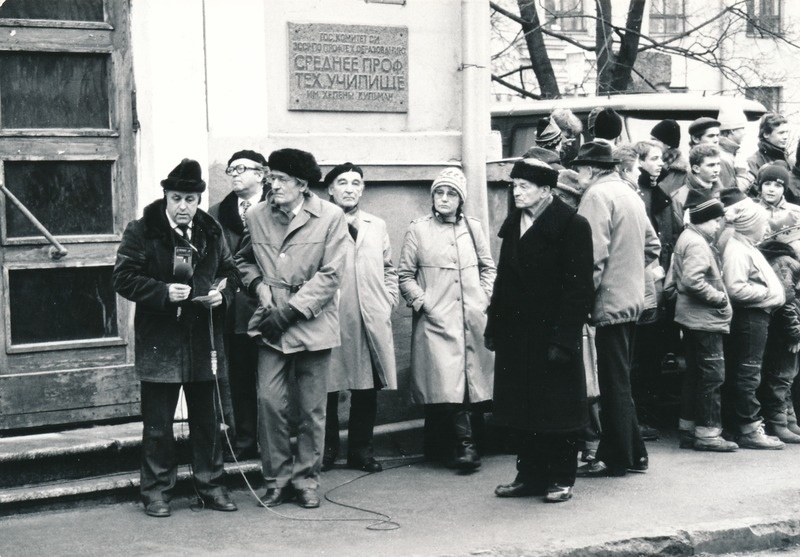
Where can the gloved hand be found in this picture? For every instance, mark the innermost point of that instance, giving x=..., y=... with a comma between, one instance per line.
x=278, y=320
x=558, y=355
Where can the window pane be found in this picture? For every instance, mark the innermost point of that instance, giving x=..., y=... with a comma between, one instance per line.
x=53, y=90
x=48, y=305
x=69, y=10
x=68, y=197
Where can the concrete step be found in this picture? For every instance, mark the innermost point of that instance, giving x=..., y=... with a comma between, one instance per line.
x=100, y=464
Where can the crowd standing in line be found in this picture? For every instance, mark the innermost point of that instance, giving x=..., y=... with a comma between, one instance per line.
x=615, y=258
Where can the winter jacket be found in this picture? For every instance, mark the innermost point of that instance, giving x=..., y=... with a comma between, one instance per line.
x=782, y=214
x=619, y=223
x=542, y=297
x=749, y=279
x=173, y=343
x=241, y=308
x=368, y=294
x=702, y=303
x=447, y=279
x=661, y=215
x=302, y=265
x=733, y=173
x=784, y=261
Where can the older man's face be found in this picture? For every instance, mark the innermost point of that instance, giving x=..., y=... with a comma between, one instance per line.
x=287, y=191
x=181, y=206
x=346, y=189
x=527, y=194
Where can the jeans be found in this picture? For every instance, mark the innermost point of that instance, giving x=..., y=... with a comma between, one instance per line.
x=744, y=354
x=705, y=373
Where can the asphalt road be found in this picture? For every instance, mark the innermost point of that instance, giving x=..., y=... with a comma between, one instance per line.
x=441, y=513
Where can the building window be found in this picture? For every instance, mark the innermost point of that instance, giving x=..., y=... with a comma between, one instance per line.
x=565, y=14
x=770, y=97
x=667, y=17
x=763, y=18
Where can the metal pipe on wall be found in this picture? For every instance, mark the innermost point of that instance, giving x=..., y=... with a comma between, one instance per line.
x=475, y=120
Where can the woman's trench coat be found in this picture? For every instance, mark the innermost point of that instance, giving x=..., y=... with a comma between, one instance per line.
x=542, y=297
x=369, y=293
x=447, y=279
x=173, y=343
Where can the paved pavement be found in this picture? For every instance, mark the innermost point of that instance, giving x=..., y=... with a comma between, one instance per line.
x=688, y=503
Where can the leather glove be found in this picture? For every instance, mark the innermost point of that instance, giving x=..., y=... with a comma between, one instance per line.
x=278, y=320
x=558, y=355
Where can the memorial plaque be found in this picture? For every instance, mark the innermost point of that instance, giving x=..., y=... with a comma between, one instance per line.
x=348, y=68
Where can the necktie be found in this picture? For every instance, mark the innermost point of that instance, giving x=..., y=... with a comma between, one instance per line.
x=353, y=231
x=183, y=230
x=245, y=205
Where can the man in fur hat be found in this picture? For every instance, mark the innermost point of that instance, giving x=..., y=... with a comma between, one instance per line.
x=292, y=258
x=248, y=174
x=175, y=265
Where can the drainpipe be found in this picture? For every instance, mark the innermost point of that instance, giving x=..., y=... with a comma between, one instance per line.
x=475, y=119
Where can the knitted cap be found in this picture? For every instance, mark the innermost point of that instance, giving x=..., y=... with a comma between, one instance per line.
x=705, y=210
x=747, y=218
x=667, y=132
x=608, y=124
x=547, y=131
x=773, y=173
x=536, y=172
x=454, y=178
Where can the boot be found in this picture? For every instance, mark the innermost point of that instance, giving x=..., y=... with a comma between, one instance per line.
x=759, y=440
x=466, y=453
x=783, y=433
x=791, y=419
x=714, y=444
x=685, y=439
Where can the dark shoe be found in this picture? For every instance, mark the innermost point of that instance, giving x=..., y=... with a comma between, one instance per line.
x=598, y=469
x=714, y=444
x=368, y=464
x=328, y=459
x=558, y=493
x=220, y=502
x=518, y=489
x=648, y=433
x=308, y=498
x=640, y=466
x=158, y=509
x=685, y=439
x=278, y=495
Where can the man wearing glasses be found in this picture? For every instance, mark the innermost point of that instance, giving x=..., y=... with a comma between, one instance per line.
x=291, y=259
x=248, y=174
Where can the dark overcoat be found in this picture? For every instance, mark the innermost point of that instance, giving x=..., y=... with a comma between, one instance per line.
x=173, y=342
x=243, y=304
x=542, y=296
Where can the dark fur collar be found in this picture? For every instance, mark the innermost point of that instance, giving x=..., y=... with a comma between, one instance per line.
x=551, y=222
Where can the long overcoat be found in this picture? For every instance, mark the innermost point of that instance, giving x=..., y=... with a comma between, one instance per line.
x=369, y=292
x=243, y=304
x=302, y=265
x=447, y=279
x=542, y=297
x=173, y=342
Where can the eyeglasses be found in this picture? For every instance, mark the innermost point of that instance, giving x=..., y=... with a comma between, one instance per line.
x=239, y=169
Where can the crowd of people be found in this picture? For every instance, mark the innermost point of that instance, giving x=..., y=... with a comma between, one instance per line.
x=616, y=258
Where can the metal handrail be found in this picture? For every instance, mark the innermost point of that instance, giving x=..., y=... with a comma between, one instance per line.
x=57, y=250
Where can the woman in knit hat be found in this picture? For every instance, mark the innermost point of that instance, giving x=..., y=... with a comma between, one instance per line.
x=446, y=275
x=754, y=291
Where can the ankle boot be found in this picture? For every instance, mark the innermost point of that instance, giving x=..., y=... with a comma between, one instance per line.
x=466, y=454
x=783, y=433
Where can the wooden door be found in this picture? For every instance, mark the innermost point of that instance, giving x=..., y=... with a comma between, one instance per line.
x=66, y=152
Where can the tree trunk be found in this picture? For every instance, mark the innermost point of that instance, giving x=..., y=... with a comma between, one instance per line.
x=604, y=41
x=540, y=60
x=628, y=48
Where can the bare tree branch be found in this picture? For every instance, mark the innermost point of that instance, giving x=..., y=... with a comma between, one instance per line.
x=513, y=87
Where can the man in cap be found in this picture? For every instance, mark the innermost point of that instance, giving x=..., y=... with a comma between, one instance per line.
x=535, y=322
x=247, y=171
x=618, y=221
x=291, y=259
x=365, y=362
x=732, y=124
x=175, y=265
